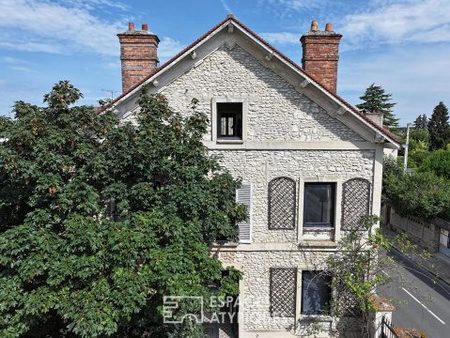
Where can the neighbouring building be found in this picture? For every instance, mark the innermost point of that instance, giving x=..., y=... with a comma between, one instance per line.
x=310, y=163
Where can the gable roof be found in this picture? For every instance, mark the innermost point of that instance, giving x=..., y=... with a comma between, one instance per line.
x=230, y=19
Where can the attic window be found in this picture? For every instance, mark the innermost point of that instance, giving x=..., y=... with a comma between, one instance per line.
x=229, y=120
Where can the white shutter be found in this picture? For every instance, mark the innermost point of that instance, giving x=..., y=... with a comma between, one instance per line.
x=244, y=196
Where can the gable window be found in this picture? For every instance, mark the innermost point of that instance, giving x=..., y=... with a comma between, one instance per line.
x=229, y=120
x=319, y=204
x=316, y=293
x=283, y=285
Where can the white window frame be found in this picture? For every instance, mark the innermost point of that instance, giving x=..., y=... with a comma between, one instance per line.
x=214, y=121
x=337, y=208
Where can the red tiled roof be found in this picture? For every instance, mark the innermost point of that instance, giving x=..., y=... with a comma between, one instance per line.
x=383, y=130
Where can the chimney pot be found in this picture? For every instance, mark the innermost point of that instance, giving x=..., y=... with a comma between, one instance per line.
x=329, y=27
x=314, y=26
x=131, y=26
x=145, y=27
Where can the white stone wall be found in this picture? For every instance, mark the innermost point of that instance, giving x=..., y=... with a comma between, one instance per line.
x=259, y=167
x=277, y=112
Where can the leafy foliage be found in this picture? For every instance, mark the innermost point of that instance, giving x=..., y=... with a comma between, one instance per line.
x=100, y=220
x=421, y=194
x=438, y=162
x=439, y=127
x=356, y=272
x=374, y=100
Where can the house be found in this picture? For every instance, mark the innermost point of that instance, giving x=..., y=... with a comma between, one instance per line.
x=310, y=163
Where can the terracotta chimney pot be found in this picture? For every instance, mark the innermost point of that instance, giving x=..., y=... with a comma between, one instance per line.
x=329, y=27
x=131, y=26
x=144, y=27
x=314, y=26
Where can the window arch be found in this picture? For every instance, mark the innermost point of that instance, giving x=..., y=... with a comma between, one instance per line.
x=282, y=203
x=355, y=202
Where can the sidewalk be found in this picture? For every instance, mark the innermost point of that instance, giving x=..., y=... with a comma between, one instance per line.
x=435, y=263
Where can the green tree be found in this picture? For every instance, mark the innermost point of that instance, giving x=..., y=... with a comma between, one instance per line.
x=438, y=162
x=421, y=122
x=438, y=127
x=421, y=194
x=375, y=99
x=100, y=220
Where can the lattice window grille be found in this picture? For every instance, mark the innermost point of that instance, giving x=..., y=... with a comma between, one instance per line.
x=355, y=202
x=283, y=287
x=282, y=198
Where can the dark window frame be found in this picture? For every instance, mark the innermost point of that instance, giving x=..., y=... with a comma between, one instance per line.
x=332, y=222
x=323, y=311
x=234, y=111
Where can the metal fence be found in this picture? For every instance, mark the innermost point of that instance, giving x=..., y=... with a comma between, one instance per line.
x=387, y=329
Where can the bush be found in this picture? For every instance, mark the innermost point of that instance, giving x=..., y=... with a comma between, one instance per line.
x=437, y=162
x=422, y=194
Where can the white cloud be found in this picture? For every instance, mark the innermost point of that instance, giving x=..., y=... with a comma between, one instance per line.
x=168, y=47
x=281, y=38
x=55, y=27
x=225, y=6
x=398, y=21
x=64, y=27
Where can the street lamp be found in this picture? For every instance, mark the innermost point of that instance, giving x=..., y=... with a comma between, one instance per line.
x=406, y=146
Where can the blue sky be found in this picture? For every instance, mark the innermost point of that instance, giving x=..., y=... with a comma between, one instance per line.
x=403, y=45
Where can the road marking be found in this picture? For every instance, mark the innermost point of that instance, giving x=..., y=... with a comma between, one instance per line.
x=385, y=273
x=418, y=301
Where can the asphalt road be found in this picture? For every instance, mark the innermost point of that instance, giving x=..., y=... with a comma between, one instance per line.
x=422, y=301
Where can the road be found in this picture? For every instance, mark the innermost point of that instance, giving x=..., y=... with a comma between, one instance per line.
x=422, y=302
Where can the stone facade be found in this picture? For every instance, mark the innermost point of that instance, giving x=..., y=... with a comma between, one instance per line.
x=286, y=134
x=276, y=111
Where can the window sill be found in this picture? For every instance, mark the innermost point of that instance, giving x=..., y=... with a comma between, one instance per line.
x=317, y=228
x=316, y=243
x=229, y=141
x=316, y=318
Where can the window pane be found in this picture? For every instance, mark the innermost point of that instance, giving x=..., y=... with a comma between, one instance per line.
x=319, y=204
x=316, y=293
x=230, y=126
x=223, y=126
x=229, y=120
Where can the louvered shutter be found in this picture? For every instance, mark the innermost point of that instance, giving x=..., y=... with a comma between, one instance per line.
x=244, y=196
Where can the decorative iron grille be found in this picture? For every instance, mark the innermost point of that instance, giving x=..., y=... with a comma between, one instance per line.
x=282, y=203
x=283, y=286
x=355, y=202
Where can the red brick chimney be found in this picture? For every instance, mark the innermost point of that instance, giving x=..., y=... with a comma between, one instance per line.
x=321, y=54
x=138, y=53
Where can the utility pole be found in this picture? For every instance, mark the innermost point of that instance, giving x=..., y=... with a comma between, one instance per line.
x=406, y=146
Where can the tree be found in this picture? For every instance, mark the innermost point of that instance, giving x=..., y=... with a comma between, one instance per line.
x=438, y=127
x=421, y=194
x=421, y=122
x=100, y=220
x=374, y=100
x=438, y=162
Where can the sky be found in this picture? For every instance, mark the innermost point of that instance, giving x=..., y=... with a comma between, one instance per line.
x=402, y=45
